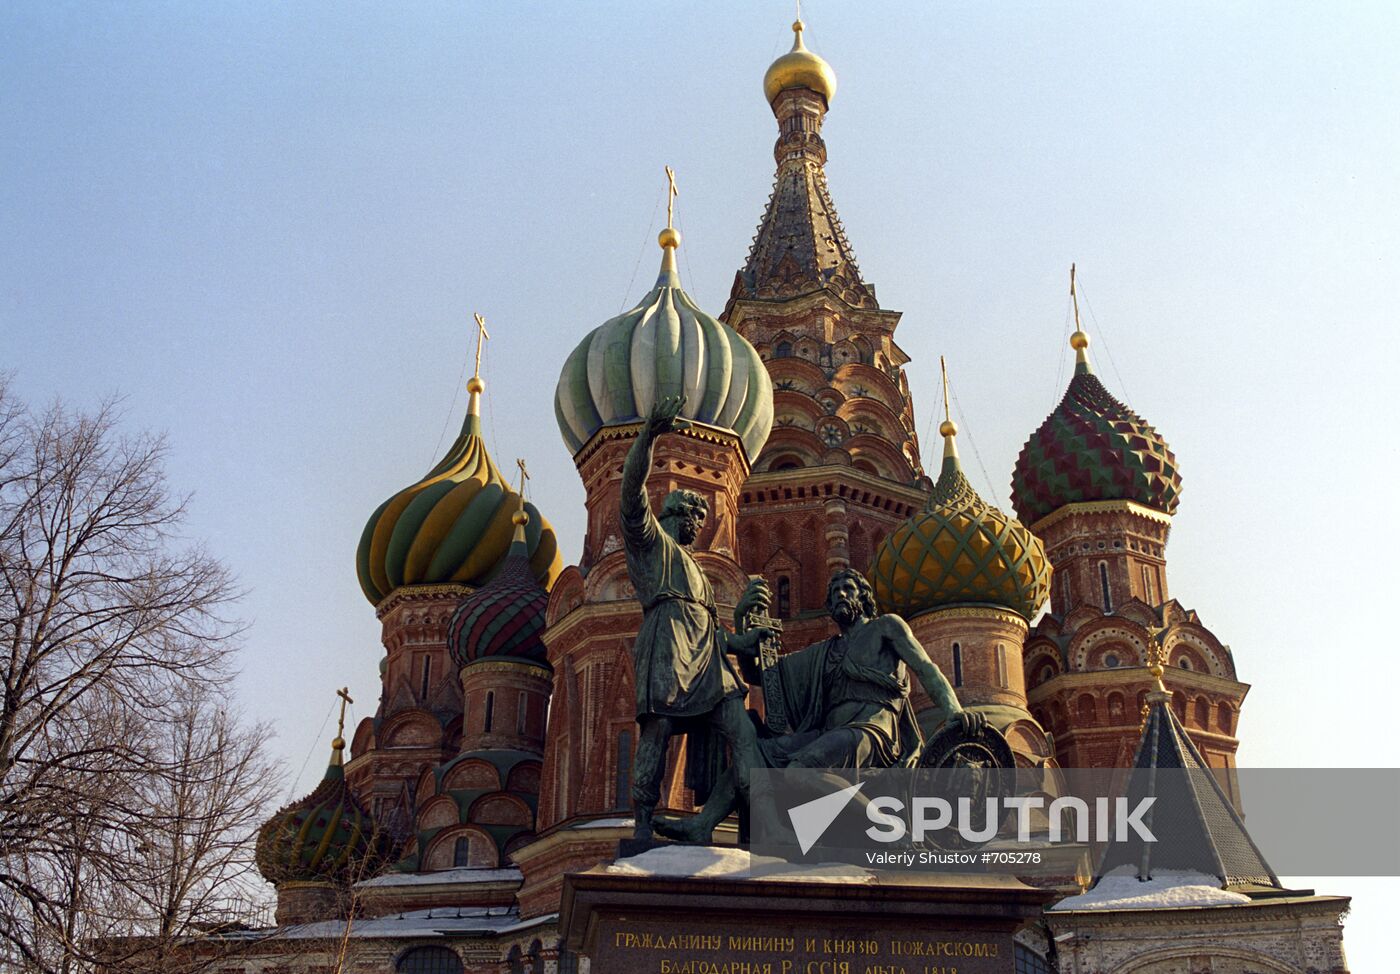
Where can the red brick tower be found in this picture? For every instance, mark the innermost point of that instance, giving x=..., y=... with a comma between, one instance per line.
x=1099, y=486
x=665, y=346
x=422, y=551
x=969, y=579
x=841, y=468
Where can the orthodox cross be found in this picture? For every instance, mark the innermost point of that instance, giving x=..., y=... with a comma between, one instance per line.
x=344, y=694
x=1073, y=296
x=947, y=413
x=671, y=194
x=524, y=476
x=481, y=335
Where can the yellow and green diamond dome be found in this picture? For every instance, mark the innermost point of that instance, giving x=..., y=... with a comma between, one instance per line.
x=960, y=550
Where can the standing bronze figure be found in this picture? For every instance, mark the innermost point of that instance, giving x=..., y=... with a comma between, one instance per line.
x=685, y=681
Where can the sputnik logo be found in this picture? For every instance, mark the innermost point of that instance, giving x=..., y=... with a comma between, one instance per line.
x=810, y=820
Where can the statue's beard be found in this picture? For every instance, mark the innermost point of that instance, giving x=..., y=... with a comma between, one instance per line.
x=844, y=612
x=689, y=531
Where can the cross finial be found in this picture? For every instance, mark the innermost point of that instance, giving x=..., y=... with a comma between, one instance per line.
x=344, y=694
x=481, y=335
x=947, y=412
x=671, y=194
x=524, y=476
x=1073, y=296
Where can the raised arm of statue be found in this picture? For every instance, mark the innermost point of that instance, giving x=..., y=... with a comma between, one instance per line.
x=935, y=684
x=638, y=522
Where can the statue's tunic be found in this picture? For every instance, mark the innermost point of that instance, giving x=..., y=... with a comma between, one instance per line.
x=680, y=664
x=849, y=699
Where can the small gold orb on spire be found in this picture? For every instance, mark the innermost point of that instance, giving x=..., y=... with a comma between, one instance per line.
x=338, y=743
x=474, y=384
x=947, y=428
x=669, y=238
x=520, y=519
x=1079, y=341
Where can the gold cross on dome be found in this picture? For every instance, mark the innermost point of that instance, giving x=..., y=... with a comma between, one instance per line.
x=947, y=412
x=481, y=335
x=671, y=194
x=1074, y=296
x=524, y=476
x=344, y=694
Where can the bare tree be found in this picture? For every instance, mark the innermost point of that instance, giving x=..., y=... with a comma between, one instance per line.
x=128, y=794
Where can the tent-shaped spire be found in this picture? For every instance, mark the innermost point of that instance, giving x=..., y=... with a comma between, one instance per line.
x=1196, y=826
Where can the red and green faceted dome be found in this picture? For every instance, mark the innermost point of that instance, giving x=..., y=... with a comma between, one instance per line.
x=324, y=837
x=1093, y=448
x=504, y=619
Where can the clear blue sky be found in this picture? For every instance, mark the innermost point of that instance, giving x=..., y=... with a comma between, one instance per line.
x=266, y=225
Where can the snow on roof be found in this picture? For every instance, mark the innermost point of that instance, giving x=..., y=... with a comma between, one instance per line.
x=437, y=922
x=1120, y=889
x=725, y=862
x=445, y=876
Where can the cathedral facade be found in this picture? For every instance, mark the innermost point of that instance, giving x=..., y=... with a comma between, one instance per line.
x=499, y=758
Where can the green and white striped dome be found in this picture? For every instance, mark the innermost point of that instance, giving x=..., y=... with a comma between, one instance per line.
x=665, y=346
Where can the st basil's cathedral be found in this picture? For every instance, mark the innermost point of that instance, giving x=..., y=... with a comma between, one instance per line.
x=498, y=760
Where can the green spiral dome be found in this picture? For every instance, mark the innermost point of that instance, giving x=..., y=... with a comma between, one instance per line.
x=453, y=525
x=324, y=837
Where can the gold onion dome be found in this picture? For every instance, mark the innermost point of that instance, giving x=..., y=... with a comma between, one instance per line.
x=454, y=525
x=959, y=550
x=324, y=837
x=799, y=68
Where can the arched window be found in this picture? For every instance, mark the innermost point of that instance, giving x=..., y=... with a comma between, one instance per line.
x=622, y=783
x=520, y=713
x=1148, y=594
x=1066, y=593
x=1088, y=710
x=1103, y=582
x=490, y=711
x=784, y=596
x=1184, y=663
x=784, y=350
x=957, y=665
x=1202, y=713
x=1001, y=666
x=462, y=852
x=427, y=676
x=514, y=961
x=568, y=960
x=1111, y=660
x=1029, y=962
x=536, y=958
x=429, y=960
x=1224, y=717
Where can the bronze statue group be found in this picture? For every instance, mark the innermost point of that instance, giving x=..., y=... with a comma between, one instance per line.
x=845, y=700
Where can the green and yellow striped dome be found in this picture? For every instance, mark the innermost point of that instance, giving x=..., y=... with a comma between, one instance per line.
x=454, y=525
x=324, y=837
x=960, y=550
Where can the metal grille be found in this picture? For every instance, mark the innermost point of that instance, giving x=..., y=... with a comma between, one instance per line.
x=1029, y=962
x=429, y=960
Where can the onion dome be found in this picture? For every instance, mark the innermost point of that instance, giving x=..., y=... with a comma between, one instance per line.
x=665, y=346
x=453, y=525
x=799, y=68
x=504, y=619
x=324, y=837
x=1093, y=448
x=959, y=550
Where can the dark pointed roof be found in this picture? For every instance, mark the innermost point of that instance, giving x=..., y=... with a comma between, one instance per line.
x=1194, y=822
x=801, y=246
